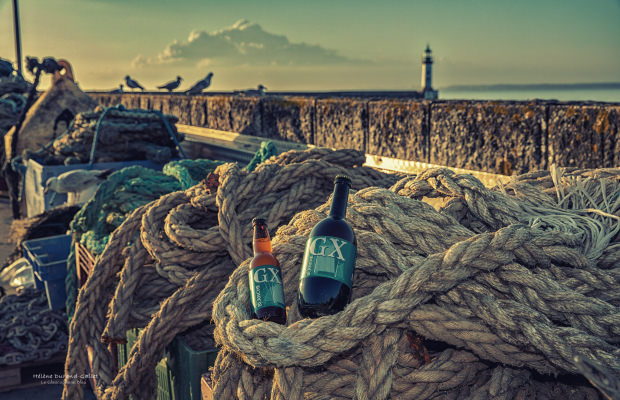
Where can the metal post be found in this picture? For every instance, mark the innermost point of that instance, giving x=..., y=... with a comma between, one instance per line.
x=18, y=40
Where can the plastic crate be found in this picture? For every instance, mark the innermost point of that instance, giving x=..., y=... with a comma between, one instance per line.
x=49, y=263
x=178, y=372
x=189, y=365
x=165, y=376
x=125, y=348
x=165, y=381
x=38, y=283
x=37, y=175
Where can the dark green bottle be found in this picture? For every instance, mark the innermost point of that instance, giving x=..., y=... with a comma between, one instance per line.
x=329, y=260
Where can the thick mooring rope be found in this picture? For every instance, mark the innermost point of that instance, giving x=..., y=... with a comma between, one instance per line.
x=510, y=299
x=190, y=239
x=127, y=189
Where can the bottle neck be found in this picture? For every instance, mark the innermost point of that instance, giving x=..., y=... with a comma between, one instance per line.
x=261, y=242
x=340, y=197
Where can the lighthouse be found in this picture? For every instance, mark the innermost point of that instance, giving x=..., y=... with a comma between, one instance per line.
x=427, y=75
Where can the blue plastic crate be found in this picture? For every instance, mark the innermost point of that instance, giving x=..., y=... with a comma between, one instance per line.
x=48, y=257
x=38, y=284
x=37, y=175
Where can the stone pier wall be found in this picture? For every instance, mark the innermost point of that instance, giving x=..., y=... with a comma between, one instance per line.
x=492, y=136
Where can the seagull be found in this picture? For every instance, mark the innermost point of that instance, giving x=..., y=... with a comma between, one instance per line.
x=260, y=91
x=132, y=84
x=200, y=85
x=119, y=90
x=76, y=181
x=171, y=85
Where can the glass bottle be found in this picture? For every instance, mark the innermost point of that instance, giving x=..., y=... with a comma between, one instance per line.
x=329, y=259
x=267, y=293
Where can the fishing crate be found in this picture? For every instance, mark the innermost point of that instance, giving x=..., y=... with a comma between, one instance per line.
x=163, y=370
x=84, y=263
x=178, y=372
x=189, y=366
x=48, y=257
x=36, y=175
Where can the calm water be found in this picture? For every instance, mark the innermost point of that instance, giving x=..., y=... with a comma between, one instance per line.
x=608, y=95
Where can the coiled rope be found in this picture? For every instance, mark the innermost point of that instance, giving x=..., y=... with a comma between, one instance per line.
x=510, y=300
x=128, y=189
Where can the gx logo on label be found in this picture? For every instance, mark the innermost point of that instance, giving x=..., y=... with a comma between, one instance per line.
x=337, y=245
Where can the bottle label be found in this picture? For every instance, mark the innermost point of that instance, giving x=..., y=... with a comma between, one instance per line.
x=266, y=287
x=329, y=257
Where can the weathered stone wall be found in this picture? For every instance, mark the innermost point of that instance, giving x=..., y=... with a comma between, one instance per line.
x=584, y=135
x=399, y=129
x=494, y=136
x=488, y=136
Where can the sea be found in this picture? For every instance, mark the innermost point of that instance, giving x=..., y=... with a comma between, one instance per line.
x=603, y=95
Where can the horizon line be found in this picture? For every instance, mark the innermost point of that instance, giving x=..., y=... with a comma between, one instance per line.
x=535, y=86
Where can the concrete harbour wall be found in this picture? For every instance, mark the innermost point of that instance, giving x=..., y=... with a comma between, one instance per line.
x=492, y=136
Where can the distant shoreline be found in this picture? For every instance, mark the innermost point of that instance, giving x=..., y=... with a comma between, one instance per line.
x=534, y=86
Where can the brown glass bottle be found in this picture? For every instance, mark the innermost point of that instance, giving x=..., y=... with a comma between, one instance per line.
x=329, y=260
x=267, y=294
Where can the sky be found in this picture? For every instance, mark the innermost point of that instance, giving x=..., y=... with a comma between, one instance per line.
x=321, y=44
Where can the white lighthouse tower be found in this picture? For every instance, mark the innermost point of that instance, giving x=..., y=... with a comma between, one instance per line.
x=427, y=75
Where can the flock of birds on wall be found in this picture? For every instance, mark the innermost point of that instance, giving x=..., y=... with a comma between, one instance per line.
x=197, y=88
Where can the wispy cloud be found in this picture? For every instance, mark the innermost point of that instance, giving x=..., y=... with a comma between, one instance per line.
x=244, y=43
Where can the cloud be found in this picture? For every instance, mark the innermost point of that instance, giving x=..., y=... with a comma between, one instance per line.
x=244, y=43
x=139, y=62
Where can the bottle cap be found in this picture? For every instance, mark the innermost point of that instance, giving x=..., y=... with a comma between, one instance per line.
x=342, y=179
x=259, y=221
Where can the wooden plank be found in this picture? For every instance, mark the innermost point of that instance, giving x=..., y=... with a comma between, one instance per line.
x=416, y=167
x=33, y=373
x=248, y=145
x=206, y=389
x=237, y=141
x=10, y=377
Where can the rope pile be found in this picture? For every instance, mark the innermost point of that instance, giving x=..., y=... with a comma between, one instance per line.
x=122, y=135
x=126, y=190
x=182, y=235
x=29, y=330
x=507, y=300
x=13, y=84
x=123, y=192
x=189, y=173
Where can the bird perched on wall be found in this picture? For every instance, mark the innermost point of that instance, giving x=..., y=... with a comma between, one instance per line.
x=170, y=86
x=132, y=84
x=201, y=85
x=260, y=91
x=76, y=181
x=119, y=90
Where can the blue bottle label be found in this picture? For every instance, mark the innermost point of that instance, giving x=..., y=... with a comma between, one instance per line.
x=266, y=287
x=329, y=257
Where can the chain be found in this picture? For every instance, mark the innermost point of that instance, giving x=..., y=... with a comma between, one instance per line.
x=29, y=330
